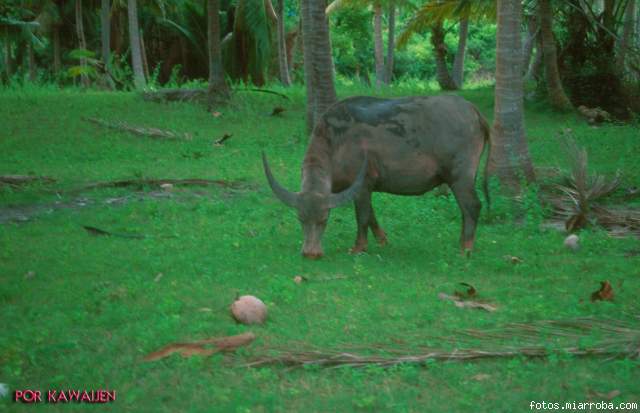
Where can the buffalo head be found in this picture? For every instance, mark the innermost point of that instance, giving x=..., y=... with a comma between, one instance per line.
x=313, y=206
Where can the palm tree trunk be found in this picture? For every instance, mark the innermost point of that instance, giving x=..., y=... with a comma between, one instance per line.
x=105, y=35
x=82, y=42
x=292, y=40
x=8, y=61
x=184, y=56
x=322, y=61
x=442, y=73
x=391, y=42
x=218, y=89
x=534, y=69
x=557, y=97
x=33, y=76
x=282, y=46
x=57, y=59
x=139, y=80
x=458, y=61
x=143, y=53
x=378, y=44
x=509, y=155
x=627, y=35
x=527, y=50
x=309, y=78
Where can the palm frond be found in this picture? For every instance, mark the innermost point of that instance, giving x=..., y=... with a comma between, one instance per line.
x=610, y=338
x=577, y=200
x=8, y=21
x=336, y=5
x=251, y=19
x=182, y=30
x=440, y=10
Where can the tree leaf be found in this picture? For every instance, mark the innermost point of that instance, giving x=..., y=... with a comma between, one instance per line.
x=605, y=292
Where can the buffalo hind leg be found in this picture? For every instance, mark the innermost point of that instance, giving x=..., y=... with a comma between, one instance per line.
x=470, y=206
x=363, y=216
x=366, y=218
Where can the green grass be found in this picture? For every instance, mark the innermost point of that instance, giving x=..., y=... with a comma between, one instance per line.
x=93, y=310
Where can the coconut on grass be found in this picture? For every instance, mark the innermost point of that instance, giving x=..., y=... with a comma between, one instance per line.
x=572, y=242
x=249, y=310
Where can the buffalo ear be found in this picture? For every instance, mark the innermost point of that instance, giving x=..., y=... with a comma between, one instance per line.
x=287, y=197
x=346, y=196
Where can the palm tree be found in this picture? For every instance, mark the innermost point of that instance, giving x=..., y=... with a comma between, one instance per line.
x=318, y=62
x=105, y=24
x=378, y=43
x=458, y=61
x=627, y=35
x=527, y=50
x=19, y=31
x=310, y=87
x=391, y=41
x=82, y=42
x=57, y=50
x=282, y=46
x=432, y=15
x=8, y=60
x=557, y=97
x=384, y=71
x=251, y=41
x=139, y=80
x=322, y=62
x=509, y=158
x=218, y=88
x=443, y=76
x=33, y=76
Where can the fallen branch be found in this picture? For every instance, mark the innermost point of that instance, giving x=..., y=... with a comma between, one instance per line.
x=19, y=180
x=101, y=232
x=140, y=131
x=263, y=91
x=221, y=141
x=195, y=95
x=198, y=347
x=461, y=303
x=158, y=182
x=176, y=95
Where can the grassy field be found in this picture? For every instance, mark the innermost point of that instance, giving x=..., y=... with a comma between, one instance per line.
x=81, y=311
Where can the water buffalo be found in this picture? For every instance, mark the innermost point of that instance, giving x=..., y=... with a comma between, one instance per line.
x=404, y=146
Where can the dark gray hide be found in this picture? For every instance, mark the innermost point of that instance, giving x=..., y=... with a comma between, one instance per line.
x=404, y=146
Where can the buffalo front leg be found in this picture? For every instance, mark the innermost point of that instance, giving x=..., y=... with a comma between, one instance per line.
x=470, y=206
x=364, y=212
x=378, y=232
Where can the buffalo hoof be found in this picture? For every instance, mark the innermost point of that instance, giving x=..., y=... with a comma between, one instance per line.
x=358, y=249
x=381, y=237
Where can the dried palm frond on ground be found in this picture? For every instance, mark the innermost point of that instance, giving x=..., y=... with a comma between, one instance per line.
x=533, y=340
x=140, y=182
x=19, y=180
x=140, y=130
x=577, y=201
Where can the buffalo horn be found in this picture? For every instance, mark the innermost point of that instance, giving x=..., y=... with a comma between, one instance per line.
x=289, y=198
x=348, y=194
